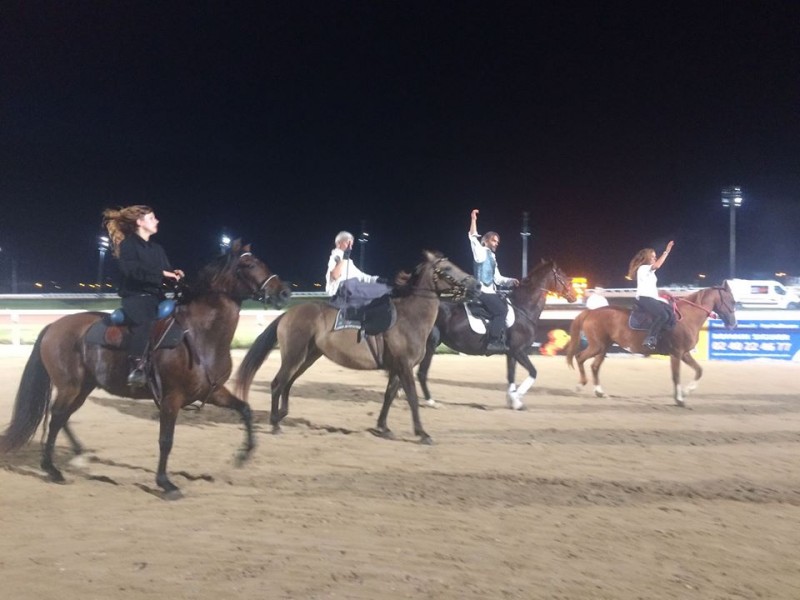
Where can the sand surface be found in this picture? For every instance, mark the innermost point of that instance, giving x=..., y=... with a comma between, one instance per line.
x=625, y=497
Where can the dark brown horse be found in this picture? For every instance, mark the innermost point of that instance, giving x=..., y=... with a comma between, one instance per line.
x=196, y=369
x=604, y=326
x=305, y=332
x=528, y=298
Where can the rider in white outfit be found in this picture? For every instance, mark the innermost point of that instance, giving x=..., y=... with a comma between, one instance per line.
x=341, y=266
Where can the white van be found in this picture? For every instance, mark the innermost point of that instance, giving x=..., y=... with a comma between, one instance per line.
x=762, y=293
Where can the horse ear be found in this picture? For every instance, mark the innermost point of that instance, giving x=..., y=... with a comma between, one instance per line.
x=246, y=248
x=236, y=245
x=429, y=256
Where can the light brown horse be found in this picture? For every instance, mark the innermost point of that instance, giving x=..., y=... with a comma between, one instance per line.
x=305, y=332
x=196, y=369
x=607, y=325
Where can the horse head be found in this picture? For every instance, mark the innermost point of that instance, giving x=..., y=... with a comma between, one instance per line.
x=448, y=280
x=725, y=304
x=242, y=275
x=547, y=276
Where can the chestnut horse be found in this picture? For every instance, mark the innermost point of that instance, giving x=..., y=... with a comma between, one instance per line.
x=196, y=369
x=305, y=332
x=528, y=298
x=606, y=325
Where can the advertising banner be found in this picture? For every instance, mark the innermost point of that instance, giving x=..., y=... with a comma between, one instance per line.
x=754, y=339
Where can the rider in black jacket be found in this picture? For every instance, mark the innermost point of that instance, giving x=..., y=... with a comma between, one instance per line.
x=144, y=266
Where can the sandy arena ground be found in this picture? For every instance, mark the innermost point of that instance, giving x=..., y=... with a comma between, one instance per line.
x=627, y=497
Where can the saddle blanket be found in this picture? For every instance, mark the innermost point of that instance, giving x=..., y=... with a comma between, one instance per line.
x=478, y=324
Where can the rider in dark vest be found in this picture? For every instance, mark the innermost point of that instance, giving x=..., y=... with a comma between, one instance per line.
x=486, y=272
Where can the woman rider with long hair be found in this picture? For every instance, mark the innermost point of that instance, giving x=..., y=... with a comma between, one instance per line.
x=144, y=266
x=643, y=267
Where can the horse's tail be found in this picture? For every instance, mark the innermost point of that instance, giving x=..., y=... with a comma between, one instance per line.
x=33, y=399
x=256, y=355
x=575, y=336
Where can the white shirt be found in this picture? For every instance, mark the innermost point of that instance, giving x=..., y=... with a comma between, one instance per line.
x=479, y=254
x=596, y=301
x=647, y=283
x=349, y=271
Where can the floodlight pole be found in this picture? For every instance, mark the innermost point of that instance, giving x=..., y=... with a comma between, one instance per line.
x=363, y=238
x=103, y=244
x=732, y=198
x=525, y=234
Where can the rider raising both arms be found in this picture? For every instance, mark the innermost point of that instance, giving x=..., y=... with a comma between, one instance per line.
x=144, y=266
x=486, y=272
x=643, y=266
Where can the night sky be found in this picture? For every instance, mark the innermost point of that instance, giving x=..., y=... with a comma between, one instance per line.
x=614, y=125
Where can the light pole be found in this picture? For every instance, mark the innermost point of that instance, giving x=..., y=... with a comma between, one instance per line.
x=525, y=234
x=224, y=243
x=103, y=244
x=363, y=238
x=732, y=198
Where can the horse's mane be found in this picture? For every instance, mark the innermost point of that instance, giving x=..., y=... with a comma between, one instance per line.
x=209, y=278
x=536, y=274
x=404, y=281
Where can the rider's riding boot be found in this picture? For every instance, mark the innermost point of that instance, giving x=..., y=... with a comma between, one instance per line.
x=137, y=377
x=650, y=343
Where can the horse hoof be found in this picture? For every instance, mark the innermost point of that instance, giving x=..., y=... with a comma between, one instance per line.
x=680, y=403
x=426, y=440
x=382, y=433
x=175, y=494
x=276, y=430
x=241, y=457
x=514, y=401
x=579, y=387
x=430, y=403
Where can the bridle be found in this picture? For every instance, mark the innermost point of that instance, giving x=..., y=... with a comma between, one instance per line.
x=259, y=292
x=709, y=313
x=457, y=291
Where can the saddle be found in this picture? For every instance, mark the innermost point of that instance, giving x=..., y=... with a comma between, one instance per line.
x=372, y=318
x=641, y=320
x=166, y=333
x=478, y=316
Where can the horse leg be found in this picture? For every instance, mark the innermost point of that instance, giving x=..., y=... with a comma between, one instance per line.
x=281, y=386
x=67, y=402
x=698, y=372
x=675, y=363
x=514, y=397
x=381, y=430
x=170, y=406
x=422, y=372
x=596, y=363
x=77, y=447
x=407, y=381
x=225, y=399
x=581, y=358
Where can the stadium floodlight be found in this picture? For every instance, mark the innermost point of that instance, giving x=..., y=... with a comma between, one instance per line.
x=732, y=198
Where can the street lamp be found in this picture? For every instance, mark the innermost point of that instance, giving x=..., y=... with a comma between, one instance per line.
x=525, y=234
x=224, y=243
x=103, y=244
x=363, y=238
x=732, y=198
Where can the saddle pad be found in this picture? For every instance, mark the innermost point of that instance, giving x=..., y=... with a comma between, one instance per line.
x=640, y=320
x=478, y=324
x=342, y=322
x=104, y=333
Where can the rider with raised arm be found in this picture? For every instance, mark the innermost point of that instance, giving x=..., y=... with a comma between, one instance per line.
x=643, y=266
x=144, y=266
x=486, y=272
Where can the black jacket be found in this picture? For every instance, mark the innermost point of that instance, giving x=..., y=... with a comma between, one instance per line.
x=142, y=264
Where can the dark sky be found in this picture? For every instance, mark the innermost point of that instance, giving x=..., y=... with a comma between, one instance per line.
x=614, y=125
